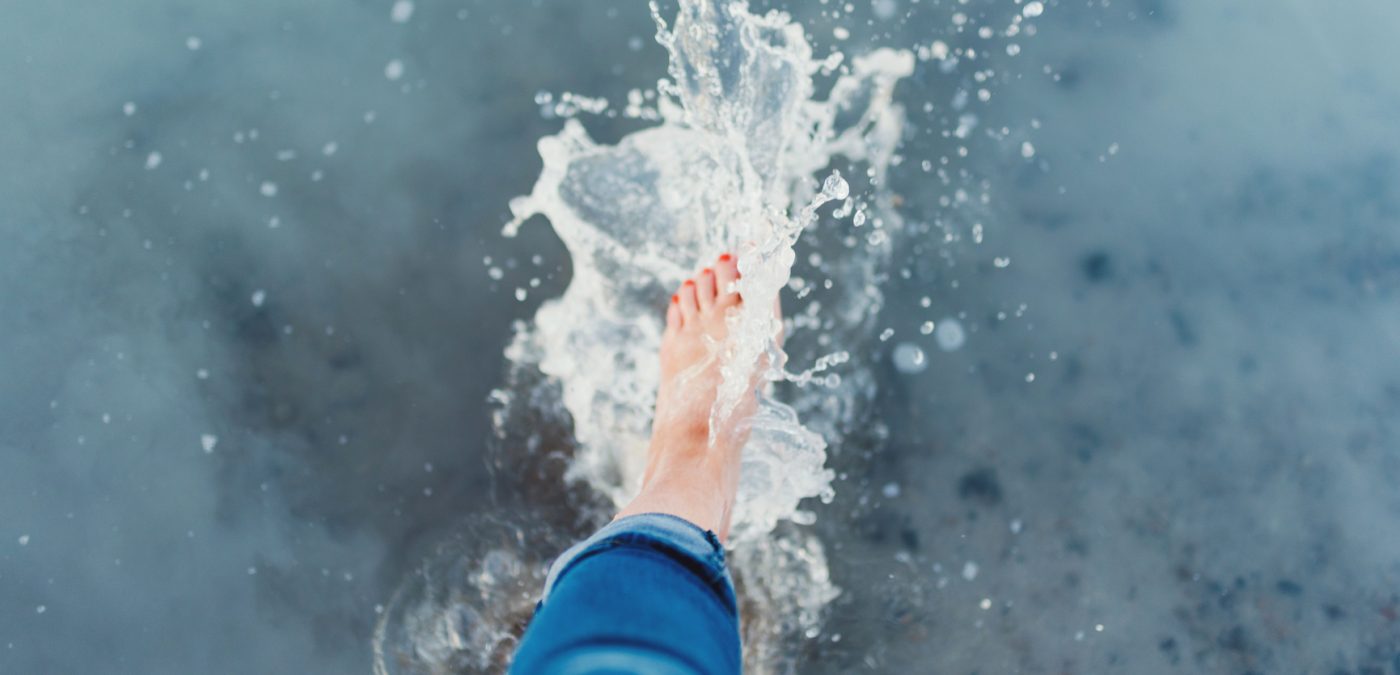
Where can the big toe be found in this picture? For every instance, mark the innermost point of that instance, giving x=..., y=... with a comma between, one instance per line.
x=726, y=274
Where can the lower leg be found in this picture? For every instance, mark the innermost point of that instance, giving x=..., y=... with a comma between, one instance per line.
x=693, y=470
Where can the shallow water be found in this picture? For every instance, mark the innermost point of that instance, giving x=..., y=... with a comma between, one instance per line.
x=256, y=318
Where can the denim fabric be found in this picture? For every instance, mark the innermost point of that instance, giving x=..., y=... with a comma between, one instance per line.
x=646, y=594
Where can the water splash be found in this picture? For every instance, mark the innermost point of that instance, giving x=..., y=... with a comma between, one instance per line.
x=741, y=142
x=744, y=156
x=463, y=609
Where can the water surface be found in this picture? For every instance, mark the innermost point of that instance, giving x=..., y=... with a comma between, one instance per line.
x=257, y=299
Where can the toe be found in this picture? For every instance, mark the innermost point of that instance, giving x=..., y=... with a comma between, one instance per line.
x=673, y=314
x=705, y=288
x=726, y=273
x=689, y=305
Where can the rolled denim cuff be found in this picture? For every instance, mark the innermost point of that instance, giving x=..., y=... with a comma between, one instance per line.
x=696, y=549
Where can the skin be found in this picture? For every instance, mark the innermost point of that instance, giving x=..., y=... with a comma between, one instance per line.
x=686, y=476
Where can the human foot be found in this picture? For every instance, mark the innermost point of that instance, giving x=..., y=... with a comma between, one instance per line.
x=686, y=475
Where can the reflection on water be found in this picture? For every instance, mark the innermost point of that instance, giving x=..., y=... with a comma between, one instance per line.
x=1110, y=379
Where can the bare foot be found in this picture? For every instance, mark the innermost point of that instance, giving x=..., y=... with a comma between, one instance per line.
x=686, y=476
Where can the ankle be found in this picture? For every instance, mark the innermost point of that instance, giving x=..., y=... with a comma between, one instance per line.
x=680, y=432
x=683, y=498
x=678, y=450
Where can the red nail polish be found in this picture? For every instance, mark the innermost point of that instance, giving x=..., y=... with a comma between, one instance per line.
x=709, y=271
x=675, y=298
x=689, y=282
x=725, y=257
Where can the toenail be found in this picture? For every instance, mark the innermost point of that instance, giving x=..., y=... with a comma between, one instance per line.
x=708, y=271
x=725, y=257
x=689, y=282
x=675, y=298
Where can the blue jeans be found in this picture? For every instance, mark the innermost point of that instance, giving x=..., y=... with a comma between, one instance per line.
x=646, y=594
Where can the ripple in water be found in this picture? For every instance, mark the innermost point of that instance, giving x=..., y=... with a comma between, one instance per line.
x=744, y=155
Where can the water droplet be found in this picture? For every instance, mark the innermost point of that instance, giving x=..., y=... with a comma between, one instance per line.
x=1033, y=9
x=836, y=187
x=402, y=11
x=966, y=122
x=393, y=70
x=208, y=441
x=909, y=358
x=950, y=335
